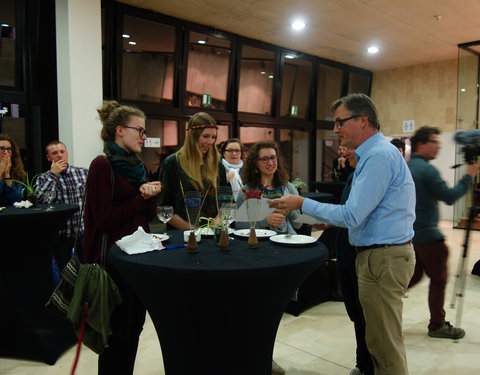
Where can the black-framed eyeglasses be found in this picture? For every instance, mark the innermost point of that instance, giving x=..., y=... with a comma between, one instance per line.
x=341, y=121
x=265, y=160
x=141, y=131
x=233, y=151
x=3, y=149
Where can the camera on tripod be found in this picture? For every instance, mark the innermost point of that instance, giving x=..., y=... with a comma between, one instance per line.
x=471, y=141
x=470, y=153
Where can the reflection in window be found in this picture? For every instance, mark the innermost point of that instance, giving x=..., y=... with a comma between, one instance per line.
x=294, y=145
x=256, y=80
x=358, y=83
x=207, y=71
x=148, y=60
x=329, y=90
x=295, y=87
x=7, y=43
x=161, y=135
x=12, y=122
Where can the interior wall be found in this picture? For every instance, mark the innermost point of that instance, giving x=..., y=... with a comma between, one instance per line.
x=426, y=93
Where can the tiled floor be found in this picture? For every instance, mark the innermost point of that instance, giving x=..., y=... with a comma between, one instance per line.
x=320, y=341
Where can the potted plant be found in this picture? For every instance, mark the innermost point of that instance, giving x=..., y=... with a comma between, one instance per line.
x=298, y=183
x=29, y=186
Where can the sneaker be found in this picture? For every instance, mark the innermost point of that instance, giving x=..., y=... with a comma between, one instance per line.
x=356, y=371
x=276, y=369
x=447, y=332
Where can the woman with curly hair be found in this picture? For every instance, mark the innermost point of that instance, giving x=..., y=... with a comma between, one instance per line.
x=264, y=168
x=11, y=167
x=195, y=167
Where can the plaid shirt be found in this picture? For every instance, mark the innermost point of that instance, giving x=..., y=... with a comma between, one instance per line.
x=70, y=187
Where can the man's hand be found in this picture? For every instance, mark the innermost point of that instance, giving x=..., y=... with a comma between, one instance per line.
x=287, y=202
x=341, y=162
x=150, y=189
x=58, y=166
x=472, y=169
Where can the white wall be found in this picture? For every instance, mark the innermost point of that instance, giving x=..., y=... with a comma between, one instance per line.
x=79, y=74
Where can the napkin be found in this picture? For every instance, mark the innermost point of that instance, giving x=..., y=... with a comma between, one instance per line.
x=23, y=204
x=139, y=242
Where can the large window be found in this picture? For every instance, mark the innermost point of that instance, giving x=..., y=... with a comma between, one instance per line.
x=295, y=86
x=8, y=44
x=358, y=83
x=207, y=71
x=148, y=60
x=256, y=80
x=329, y=90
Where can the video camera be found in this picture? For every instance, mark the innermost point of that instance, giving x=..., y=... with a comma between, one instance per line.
x=471, y=140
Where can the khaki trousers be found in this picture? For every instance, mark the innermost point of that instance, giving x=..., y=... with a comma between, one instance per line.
x=383, y=277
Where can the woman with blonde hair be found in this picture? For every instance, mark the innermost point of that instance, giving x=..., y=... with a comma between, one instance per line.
x=195, y=167
x=11, y=167
x=133, y=204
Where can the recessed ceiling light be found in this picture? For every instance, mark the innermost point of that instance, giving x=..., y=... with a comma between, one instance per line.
x=5, y=25
x=373, y=50
x=298, y=25
x=262, y=72
x=270, y=76
x=126, y=36
x=201, y=42
x=289, y=57
x=463, y=89
x=133, y=43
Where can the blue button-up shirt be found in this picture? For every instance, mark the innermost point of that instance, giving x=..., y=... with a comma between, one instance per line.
x=381, y=205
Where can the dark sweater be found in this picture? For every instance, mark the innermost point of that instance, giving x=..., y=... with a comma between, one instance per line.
x=123, y=217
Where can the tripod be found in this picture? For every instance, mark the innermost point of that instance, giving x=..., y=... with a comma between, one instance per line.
x=459, y=288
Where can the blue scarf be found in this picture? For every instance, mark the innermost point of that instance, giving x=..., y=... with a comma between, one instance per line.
x=127, y=165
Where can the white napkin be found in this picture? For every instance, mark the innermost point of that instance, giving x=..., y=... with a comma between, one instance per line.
x=23, y=204
x=139, y=242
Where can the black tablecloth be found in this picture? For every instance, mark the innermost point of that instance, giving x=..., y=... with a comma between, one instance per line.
x=218, y=312
x=28, y=329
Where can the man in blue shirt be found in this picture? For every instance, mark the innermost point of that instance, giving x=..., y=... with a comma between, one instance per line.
x=379, y=215
x=430, y=249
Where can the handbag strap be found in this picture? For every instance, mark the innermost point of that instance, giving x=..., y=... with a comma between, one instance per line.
x=103, y=251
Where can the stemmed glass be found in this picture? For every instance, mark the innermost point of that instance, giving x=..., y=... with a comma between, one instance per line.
x=227, y=213
x=165, y=213
x=49, y=196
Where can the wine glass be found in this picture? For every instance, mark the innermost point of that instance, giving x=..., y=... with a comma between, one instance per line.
x=165, y=213
x=227, y=213
x=49, y=196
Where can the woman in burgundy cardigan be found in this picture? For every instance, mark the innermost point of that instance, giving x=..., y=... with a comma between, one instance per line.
x=132, y=205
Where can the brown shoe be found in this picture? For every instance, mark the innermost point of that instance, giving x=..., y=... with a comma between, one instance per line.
x=276, y=369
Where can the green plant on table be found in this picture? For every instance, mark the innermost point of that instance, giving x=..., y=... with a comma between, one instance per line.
x=29, y=185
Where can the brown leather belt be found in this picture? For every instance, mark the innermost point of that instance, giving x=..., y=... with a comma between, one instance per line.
x=359, y=249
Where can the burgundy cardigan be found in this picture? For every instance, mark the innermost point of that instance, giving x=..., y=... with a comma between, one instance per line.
x=122, y=217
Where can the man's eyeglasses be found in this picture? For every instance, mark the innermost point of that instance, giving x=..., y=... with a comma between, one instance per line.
x=3, y=149
x=141, y=131
x=340, y=122
x=265, y=160
x=233, y=151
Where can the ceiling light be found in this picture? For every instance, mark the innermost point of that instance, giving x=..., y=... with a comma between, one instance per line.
x=289, y=57
x=5, y=25
x=126, y=36
x=373, y=50
x=133, y=43
x=463, y=89
x=262, y=72
x=271, y=77
x=298, y=25
x=201, y=42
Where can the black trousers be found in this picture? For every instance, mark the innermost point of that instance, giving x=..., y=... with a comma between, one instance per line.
x=62, y=250
x=126, y=323
x=349, y=285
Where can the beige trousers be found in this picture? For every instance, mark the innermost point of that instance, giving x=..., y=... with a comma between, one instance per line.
x=383, y=277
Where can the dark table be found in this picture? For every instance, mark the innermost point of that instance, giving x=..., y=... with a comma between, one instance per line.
x=26, y=283
x=216, y=312
x=319, y=197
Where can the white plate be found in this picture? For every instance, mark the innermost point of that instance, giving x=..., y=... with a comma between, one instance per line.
x=293, y=240
x=209, y=232
x=161, y=237
x=261, y=233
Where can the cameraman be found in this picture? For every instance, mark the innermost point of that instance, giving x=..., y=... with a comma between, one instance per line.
x=430, y=249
